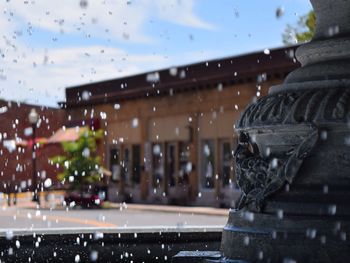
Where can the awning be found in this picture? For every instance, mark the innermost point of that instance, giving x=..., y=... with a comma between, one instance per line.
x=62, y=135
x=67, y=135
x=28, y=143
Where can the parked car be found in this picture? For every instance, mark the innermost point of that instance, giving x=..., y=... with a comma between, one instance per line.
x=85, y=199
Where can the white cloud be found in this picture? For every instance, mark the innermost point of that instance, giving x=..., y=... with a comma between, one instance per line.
x=116, y=19
x=181, y=12
x=41, y=77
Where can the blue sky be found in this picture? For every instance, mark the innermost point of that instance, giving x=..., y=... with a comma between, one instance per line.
x=47, y=46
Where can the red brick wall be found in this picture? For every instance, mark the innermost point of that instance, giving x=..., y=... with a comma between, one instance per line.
x=16, y=166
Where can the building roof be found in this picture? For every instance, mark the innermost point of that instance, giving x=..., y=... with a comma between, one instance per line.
x=247, y=68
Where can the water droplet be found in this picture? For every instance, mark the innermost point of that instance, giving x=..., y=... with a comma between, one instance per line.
x=325, y=189
x=173, y=71
x=48, y=183
x=153, y=77
x=343, y=236
x=3, y=109
x=246, y=240
x=324, y=135
x=274, y=234
x=135, y=122
x=279, y=12
x=9, y=234
x=261, y=77
x=311, y=233
x=98, y=235
x=249, y=216
x=347, y=141
x=85, y=95
x=261, y=255
x=220, y=87
x=332, y=209
x=86, y=152
x=274, y=163
x=93, y=255
x=103, y=115
x=182, y=74
x=333, y=30
x=280, y=214
x=83, y=3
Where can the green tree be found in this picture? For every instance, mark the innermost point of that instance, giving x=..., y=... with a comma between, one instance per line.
x=302, y=32
x=80, y=164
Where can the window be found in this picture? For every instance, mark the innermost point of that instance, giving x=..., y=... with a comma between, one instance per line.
x=115, y=164
x=225, y=163
x=171, y=164
x=126, y=165
x=136, y=165
x=158, y=166
x=208, y=164
x=185, y=166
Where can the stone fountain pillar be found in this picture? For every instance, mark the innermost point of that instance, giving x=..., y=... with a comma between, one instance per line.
x=293, y=158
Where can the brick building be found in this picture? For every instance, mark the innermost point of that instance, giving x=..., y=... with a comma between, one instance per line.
x=169, y=134
x=16, y=161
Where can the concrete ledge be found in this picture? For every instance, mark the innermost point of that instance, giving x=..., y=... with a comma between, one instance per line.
x=175, y=209
x=105, y=244
x=196, y=256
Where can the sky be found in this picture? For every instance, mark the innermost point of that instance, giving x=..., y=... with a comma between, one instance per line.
x=46, y=46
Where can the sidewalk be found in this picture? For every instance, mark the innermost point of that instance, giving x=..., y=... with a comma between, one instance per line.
x=24, y=201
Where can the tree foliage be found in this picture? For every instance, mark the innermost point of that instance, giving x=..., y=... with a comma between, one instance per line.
x=80, y=164
x=302, y=32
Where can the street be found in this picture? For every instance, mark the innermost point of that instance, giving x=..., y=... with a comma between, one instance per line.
x=31, y=218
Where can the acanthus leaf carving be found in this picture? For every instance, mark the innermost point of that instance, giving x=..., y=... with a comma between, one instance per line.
x=312, y=106
x=259, y=177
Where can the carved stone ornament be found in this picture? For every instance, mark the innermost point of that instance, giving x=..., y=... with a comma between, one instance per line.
x=316, y=106
x=259, y=177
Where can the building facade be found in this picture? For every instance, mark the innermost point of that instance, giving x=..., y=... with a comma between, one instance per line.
x=169, y=134
x=16, y=156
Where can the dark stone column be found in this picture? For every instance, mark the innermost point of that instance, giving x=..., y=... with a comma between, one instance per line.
x=293, y=158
